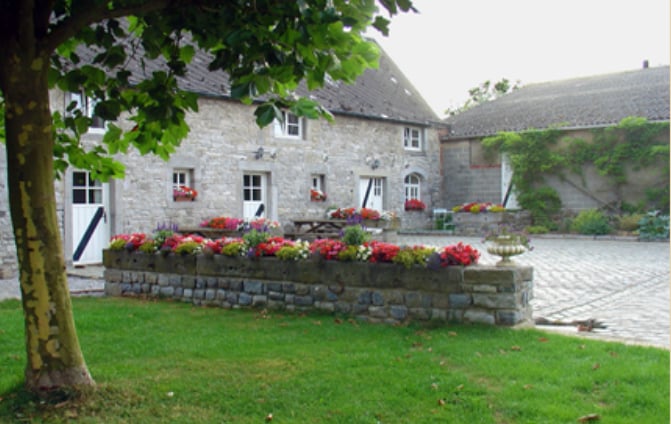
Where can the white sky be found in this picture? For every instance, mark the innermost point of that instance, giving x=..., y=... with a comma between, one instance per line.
x=452, y=46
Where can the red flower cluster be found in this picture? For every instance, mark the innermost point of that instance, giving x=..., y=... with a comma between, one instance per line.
x=270, y=247
x=215, y=246
x=343, y=213
x=223, y=223
x=327, y=248
x=350, y=213
x=184, y=192
x=459, y=254
x=382, y=252
x=317, y=195
x=132, y=241
x=414, y=205
x=176, y=239
x=371, y=214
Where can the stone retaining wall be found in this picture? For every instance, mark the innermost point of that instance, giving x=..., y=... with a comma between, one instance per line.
x=373, y=292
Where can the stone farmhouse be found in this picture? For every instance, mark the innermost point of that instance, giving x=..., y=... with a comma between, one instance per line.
x=576, y=106
x=384, y=137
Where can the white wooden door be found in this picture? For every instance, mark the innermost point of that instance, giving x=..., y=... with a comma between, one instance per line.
x=506, y=181
x=253, y=195
x=88, y=196
x=375, y=194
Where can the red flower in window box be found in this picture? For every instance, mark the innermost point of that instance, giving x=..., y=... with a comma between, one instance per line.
x=414, y=205
x=317, y=195
x=184, y=193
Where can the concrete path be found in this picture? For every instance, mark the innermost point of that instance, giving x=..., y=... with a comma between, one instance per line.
x=624, y=284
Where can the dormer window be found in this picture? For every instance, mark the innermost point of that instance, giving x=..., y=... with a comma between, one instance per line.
x=291, y=127
x=413, y=138
x=87, y=107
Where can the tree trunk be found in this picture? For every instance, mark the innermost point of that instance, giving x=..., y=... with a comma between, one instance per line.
x=54, y=357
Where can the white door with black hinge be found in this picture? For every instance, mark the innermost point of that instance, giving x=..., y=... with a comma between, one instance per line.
x=254, y=195
x=89, y=205
x=371, y=191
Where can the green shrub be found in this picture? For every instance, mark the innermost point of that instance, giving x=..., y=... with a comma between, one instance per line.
x=629, y=222
x=148, y=246
x=355, y=235
x=592, y=222
x=536, y=229
x=288, y=253
x=188, y=248
x=543, y=204
x=409, y=256
x=348, y=253
x=654, y=226
x=233, y=249
x=254, y=238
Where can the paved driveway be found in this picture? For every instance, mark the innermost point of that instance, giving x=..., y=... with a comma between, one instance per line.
x=624, y=284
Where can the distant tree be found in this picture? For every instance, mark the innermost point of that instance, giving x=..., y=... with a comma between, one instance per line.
x=484, y=93
x=265, y=46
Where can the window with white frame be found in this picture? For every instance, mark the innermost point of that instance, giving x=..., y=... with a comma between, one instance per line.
x=87, y=107
x=182, y=183
x=291, y=127
x=412, y=185
x=412, y=138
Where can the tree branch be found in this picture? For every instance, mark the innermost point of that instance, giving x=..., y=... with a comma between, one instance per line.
x=69, y=27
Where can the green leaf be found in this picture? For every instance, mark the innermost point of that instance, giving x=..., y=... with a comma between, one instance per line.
x=266, y=114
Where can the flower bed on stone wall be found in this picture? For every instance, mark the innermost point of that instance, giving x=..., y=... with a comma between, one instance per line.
x=256, y=244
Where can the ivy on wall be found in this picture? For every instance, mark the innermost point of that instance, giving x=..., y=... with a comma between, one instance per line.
x=633, y=142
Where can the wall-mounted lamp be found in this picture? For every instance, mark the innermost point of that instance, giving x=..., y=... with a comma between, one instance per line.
x=259, y=153
x=375, y=164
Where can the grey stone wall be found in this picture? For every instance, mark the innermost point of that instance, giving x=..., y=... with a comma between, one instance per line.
x=373, y=292
x=221, y=148
x=464, y=183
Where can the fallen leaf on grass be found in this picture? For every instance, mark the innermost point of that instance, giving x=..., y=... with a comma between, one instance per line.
x=337, y=321
x=441, y=402
x=452, y=333
x=596, y=366
x=613, y=354
x=543, y=339
x=269, y=417
x=528, y=386
x=589, y=418
x=478, y=354
x=502, y=351
x=434, y=386
x=459, y=387
x=516, y=348
x=317, y=322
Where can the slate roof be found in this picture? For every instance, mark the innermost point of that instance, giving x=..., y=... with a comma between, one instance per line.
x=586, y=102
x=383, y=93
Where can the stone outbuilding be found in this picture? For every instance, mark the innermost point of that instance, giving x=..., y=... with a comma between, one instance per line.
x=577, y=106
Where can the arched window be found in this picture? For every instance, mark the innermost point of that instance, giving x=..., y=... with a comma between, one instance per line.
x=412, y=187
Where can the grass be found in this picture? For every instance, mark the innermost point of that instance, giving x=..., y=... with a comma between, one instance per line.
x=171, y=362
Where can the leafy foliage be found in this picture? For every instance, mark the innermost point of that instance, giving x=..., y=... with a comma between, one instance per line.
x=483, y=93
x=634, y=142
x=591, y=222
x=654, y=226
x=355, y=235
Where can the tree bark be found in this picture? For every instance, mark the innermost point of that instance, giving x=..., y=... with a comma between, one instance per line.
x=54, y=358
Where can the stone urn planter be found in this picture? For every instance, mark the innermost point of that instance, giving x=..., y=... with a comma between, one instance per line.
x=506, y=246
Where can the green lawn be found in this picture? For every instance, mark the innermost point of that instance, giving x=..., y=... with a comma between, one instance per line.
x=171, y=362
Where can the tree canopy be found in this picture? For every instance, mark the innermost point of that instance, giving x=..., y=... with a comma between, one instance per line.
x=128, y=56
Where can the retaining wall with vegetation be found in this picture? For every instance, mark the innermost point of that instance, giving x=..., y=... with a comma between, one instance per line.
x=376, y=292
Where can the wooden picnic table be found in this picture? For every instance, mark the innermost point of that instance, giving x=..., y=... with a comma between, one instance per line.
x=312, y=228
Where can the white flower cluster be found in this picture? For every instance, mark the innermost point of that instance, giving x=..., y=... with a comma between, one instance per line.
x=303, y=249
x=363, y=253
